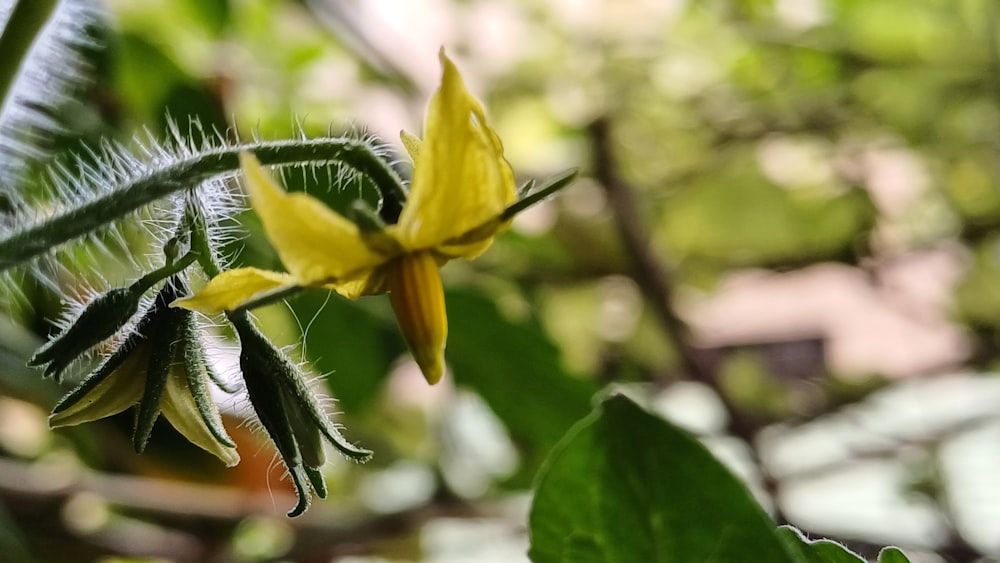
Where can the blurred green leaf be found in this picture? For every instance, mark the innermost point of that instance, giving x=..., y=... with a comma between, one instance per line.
x=17, y=344
x=516, y=370
x=187, y=102
x=12, y=540
x=763, y=223
x=625, y=485
x=977, y=298
x=211, y=14
x=345, y=342
x=145, y=75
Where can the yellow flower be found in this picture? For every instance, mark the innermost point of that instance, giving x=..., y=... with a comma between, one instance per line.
x=460, y=190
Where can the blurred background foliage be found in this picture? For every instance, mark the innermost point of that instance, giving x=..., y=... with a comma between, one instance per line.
x=785, y=239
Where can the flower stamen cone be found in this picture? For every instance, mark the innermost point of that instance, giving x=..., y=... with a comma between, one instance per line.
x=417, y=298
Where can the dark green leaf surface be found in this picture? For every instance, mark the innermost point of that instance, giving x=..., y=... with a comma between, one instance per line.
x=627, y=486
x=816, y=551
x=892, y=555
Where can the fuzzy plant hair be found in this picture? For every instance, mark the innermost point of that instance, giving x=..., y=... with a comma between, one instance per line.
x=43, y=65
x=116, y=230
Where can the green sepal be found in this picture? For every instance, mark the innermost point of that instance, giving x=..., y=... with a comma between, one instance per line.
x=317, y=481
x=288, y=411
x=106, y=368
x=100, y=320
x=307, y=435
x=301, y=480
x=548, y=188
x=489, y=228
x=268, y=403
x=164, y=335
x=273, y=417
x=213, y=375
x=196, y=369
x=107, y=314
x=109, y=365
x=294, y=383
x=265, y=397
x=526, y=188
x=365, y=217
x=291, y=380
x=372, y=228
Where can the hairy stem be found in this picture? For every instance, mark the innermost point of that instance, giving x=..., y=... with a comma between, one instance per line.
x=25, y=23
x=188, y=174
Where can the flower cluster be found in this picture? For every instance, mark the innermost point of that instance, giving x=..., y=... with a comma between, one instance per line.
x=461, y=195
x=161, y=368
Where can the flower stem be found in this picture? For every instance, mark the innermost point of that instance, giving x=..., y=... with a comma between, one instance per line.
x=200, y=245
x=149, y=280
x=187, y=174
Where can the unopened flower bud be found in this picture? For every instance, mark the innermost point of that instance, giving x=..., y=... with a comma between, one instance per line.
x=289, y=412
x=150, y=370
x=101, y=319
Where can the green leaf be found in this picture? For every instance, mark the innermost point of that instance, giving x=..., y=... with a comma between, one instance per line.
x=516, y=370
x=212, y=15
x=346, y=342
x=12, y=538
x=765, y=223
x=625, y=485
x=816, y=551
x=144, y=74
x=892, y=555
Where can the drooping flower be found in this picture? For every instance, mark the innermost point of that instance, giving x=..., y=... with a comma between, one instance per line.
x=289, y=412
x=459, y=197
x=159, y=368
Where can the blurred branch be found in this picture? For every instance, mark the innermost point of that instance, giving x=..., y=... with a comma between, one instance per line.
x=199, y=515
x=38, y=481
x=339, y=17
x=652, y=276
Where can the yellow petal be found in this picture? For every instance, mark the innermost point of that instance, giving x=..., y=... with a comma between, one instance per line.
x=372, y=284
x=117, y=392
x=411, y=143
x=180, y=409
x=460, y=178
x=232, y=288
x=418, y=301
x=315, y=244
